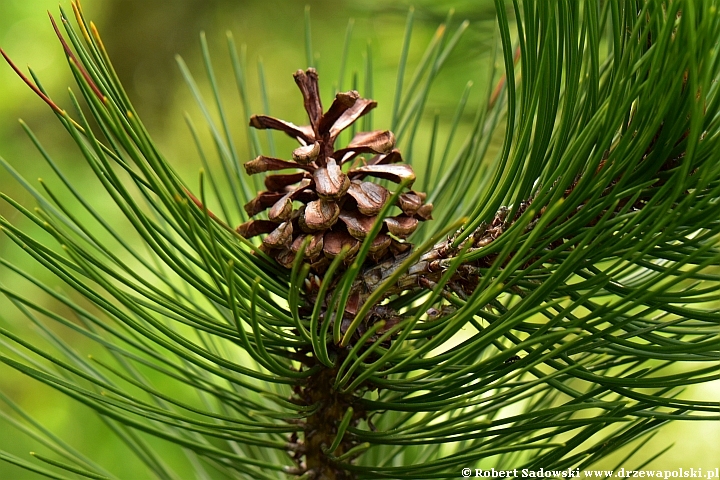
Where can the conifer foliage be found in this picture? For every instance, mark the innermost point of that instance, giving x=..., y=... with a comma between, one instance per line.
x=546, y=315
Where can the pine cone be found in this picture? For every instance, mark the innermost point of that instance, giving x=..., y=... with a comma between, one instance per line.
x=337, y=208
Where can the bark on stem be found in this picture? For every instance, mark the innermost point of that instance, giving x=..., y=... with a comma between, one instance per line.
x=321, y=428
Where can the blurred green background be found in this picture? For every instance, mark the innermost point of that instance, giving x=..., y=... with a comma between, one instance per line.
x=142, y=37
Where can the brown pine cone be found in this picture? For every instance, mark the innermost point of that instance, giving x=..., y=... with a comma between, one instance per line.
x=321, y=198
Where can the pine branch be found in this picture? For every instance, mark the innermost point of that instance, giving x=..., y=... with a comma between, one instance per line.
x=542, y=332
